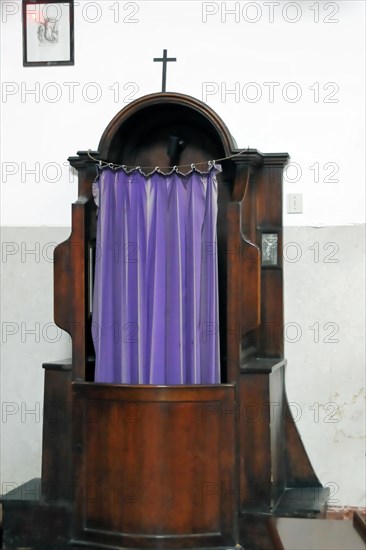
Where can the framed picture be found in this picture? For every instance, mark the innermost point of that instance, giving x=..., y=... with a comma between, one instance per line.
x=48, y=33
x=269, y=249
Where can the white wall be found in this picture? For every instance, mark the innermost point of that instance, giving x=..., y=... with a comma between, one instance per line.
x=304, y=63
x=323, y=61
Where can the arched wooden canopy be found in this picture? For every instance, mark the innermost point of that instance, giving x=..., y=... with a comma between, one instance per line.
x=140, y=132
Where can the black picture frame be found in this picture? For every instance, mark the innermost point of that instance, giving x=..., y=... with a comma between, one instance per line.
x=48, y=33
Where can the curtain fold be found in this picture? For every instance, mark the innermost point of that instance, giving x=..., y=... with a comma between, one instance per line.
x=155, y=298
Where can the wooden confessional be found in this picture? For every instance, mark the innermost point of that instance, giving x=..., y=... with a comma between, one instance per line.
x=173, y=466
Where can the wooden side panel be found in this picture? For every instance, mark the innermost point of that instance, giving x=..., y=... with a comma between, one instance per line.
x=57, y=476
x=269, y=220
x=269, y=196
x=271, y=330
x=251, y=288
x=262, y=437
x=255, y=443
x=277, y=423
x=72, y=270
x=70, y=286
x=251, y=263
x=234, y=292
x=155, y=466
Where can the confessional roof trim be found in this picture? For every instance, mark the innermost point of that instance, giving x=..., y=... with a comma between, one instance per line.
x=167, y=98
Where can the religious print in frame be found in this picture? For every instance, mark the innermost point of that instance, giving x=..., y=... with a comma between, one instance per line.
x=269, y=249
x=48, y=33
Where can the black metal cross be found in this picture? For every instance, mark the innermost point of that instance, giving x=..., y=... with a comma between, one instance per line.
x=165, y=60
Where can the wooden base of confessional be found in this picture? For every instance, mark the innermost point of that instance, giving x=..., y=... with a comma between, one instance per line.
x=173, y=466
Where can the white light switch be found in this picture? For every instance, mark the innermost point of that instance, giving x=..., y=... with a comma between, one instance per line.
x=294, y=203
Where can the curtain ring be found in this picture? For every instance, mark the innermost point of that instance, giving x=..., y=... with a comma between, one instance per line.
x=175, y=168
x=193, y=166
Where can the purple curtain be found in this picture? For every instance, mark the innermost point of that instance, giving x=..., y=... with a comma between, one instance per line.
x=155, y=304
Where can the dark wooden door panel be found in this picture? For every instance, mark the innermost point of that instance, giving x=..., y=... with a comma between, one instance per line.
x=155, y=464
